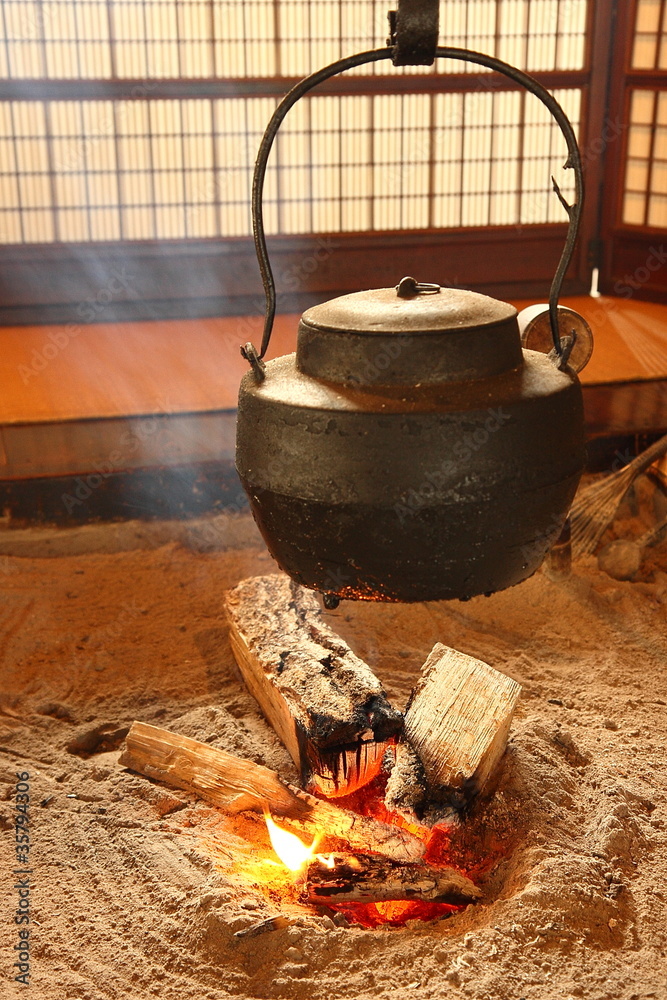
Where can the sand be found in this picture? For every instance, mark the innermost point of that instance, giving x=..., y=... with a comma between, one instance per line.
x=137, y=890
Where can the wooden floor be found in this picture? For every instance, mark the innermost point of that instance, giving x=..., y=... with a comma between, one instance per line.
x=185, y=366
x=69, y=393
x=123, y=369
x=630, y=339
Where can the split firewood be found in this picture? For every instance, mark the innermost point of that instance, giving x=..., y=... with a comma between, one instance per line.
x=456, y=729
x=325, y=704
x=366, y=878
x=235, y=784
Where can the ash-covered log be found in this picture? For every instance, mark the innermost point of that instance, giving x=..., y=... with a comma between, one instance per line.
x=325, y=704
x=407, y=787
x=456, y=729
x=234, y=784
x=366, y=878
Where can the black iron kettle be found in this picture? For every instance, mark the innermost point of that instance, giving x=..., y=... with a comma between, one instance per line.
x=410, y=450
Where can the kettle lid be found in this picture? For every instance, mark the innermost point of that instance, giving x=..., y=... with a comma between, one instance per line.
x=411, y=334
x=428, y=309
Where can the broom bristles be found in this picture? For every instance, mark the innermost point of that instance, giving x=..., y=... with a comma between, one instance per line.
x=593, y=511
x=594, y=508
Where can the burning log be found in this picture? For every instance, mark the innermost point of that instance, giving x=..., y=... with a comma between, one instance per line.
x=366, y=878
x=326, y=705
x=456, y=729
x=235, y=784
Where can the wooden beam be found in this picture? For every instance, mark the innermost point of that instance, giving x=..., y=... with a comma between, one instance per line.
x=189, y=88
x=457, y=724
x=234, y=784
x=212, y=276
x=365, y=878
x=326, y=705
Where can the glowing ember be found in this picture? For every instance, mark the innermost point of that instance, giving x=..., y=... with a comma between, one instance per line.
x=369, y=801
x=293, y=853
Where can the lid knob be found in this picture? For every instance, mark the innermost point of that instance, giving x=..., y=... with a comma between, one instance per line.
x=409, y=287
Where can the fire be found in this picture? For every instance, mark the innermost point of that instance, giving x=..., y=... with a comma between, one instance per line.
x=288, y=875
x=293, y=853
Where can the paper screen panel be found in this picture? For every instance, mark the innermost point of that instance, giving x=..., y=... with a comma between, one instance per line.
x=645, y=189
x=255, y=38
x=649, y=49
x=180, y=169
x=25, y=175
x=496, y=153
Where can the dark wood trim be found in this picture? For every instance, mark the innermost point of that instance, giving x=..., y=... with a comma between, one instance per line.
x=117, y=444
x=625, y=41
x=193, y=87
x=636, y=264
x=647, y=78
x=149, y=494
x=610, y=452
x=104, y=282
x=598, y=133
x=637, y=406
x=611, y=206
x=593, y=14
x=631, y=264
x=197, y=488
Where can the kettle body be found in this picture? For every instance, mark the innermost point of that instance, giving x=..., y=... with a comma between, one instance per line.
x=410, y=450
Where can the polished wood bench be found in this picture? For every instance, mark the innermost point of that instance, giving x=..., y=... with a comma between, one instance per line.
x=112, y=399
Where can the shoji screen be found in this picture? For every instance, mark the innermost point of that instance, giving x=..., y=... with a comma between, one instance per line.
x=130, y=127
x=636, y=218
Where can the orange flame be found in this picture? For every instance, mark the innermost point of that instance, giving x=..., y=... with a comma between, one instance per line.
x=293, y=853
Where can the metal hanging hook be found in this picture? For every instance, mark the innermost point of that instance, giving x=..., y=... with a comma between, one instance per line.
x=377, y=55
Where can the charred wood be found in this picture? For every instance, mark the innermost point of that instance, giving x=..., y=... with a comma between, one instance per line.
x=366, y=878
x=456, y=729
x=234, y=784
x=326, y=705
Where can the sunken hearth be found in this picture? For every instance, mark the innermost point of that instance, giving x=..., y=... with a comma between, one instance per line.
x=412, y=778
x=147, y=889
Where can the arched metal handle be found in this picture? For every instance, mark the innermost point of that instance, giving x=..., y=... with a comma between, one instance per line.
x=376, y=55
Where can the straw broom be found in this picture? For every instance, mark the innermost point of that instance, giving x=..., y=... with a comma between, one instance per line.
x=594, y=508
